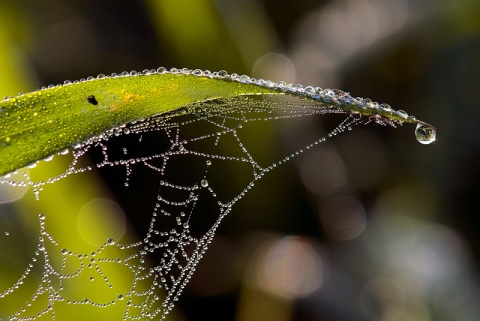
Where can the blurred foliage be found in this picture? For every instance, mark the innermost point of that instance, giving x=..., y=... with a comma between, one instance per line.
x=416, y=255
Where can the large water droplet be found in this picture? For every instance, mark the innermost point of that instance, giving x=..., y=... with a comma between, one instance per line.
x=425, y=134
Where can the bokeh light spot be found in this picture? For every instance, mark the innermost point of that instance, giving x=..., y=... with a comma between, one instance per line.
x=343, y=218
x=323, y=172
x=291, y=268
x=100, y=220
x=382, y=299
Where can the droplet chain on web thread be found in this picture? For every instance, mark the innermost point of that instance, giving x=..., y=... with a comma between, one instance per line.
x=155, y=289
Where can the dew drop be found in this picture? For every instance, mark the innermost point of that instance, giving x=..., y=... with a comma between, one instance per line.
x=32, y=165
x=49, y=158
x=222, y=74
x=204, y=183
x=244, y=79
x=425, y=134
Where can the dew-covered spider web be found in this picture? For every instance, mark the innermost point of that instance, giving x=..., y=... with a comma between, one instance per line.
x=176, y=165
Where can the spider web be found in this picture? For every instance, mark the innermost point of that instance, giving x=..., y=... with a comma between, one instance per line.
x=185, y=154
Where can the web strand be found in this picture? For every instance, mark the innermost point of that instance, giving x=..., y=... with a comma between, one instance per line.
x=189, y=207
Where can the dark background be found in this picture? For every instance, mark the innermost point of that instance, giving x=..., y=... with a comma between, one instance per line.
x=391, y=225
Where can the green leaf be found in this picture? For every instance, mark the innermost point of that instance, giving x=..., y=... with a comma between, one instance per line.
x=39, y=124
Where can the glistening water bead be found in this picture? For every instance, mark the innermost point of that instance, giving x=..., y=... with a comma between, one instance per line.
x=425, y=134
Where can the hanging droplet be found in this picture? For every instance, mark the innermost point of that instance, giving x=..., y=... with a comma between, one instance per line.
x=204, y=183
x=425, y=134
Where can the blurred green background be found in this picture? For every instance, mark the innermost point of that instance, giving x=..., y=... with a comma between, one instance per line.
x=373, y=226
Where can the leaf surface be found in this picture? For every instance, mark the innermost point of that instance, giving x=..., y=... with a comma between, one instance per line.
x=41, y=123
